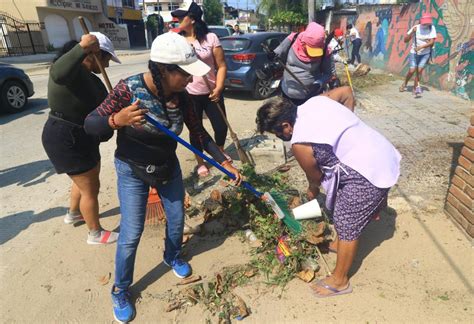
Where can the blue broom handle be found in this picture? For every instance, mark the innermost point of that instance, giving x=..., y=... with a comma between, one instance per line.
x=178, y=139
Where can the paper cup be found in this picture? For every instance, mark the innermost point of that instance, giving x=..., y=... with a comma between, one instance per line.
x=306, y=211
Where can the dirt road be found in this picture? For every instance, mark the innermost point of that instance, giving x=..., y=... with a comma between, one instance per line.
x=414, y=264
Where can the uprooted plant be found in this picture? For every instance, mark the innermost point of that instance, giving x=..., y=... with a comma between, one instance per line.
x=280, y=256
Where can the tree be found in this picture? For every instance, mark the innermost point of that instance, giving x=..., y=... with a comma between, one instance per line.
x=289, y=19
x=213, y=12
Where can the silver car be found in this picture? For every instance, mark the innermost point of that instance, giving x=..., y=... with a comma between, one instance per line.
x=15, y=88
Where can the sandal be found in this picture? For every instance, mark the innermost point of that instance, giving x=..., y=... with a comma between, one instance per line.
x=333, y=291
x=202, y=171
x=402, y=88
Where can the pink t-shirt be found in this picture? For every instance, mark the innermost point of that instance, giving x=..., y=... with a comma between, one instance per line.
x=204, y=51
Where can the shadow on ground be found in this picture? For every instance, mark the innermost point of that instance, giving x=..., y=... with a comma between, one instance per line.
x=457, y=147
x=12, y=225
x=373, y=236
x=27, y=174
x=35, y=106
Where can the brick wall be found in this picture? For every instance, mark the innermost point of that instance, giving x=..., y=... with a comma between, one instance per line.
x=460, y=199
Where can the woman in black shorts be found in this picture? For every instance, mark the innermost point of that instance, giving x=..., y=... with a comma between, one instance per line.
x=73, y=92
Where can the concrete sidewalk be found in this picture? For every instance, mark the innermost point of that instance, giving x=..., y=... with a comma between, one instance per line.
x=31, y=63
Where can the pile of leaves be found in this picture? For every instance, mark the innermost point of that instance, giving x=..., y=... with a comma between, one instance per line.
x=240, y=210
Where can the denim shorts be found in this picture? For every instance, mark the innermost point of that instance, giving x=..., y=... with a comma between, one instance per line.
x=418, y=60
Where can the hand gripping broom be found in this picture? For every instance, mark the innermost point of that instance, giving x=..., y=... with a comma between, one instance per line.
x=154, y=209
x=272, y=198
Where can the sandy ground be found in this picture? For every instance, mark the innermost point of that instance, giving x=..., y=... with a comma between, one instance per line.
x=414, y=265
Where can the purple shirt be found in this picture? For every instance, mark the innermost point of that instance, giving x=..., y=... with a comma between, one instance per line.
x=325, y=121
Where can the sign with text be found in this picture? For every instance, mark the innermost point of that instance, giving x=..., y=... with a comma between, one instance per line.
x=82, y=5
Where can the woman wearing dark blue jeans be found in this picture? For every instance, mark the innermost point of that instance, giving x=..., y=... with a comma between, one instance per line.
x=147, y=157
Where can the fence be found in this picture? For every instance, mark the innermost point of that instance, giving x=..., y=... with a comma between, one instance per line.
x=19, y=37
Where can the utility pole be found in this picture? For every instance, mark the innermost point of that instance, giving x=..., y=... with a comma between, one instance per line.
x=311, y=10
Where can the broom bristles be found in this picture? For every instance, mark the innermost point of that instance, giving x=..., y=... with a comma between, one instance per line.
x=282, y=205
x=155, y=214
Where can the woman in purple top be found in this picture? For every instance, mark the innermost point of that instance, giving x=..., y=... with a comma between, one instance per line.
x=354, y=164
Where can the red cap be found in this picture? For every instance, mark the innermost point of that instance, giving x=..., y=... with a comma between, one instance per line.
x=338, y=32
x=426, y=19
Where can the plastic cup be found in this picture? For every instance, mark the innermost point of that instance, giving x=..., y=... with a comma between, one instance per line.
x=306, y=211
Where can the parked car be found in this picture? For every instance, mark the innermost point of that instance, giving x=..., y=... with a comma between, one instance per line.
x=221, y=31
x=15, y=88
x=244, y=55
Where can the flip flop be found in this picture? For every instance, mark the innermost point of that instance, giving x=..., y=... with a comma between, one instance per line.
x=402, y=88
x=334, y=291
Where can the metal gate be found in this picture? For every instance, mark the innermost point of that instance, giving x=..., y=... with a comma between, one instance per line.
x=19, y=37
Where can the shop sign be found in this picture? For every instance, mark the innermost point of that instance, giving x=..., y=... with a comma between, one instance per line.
x=90, y=5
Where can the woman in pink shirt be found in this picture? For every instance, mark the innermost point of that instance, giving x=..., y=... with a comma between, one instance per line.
x=209, y=50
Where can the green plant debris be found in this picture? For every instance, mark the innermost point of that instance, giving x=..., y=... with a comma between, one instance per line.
x=239, y=209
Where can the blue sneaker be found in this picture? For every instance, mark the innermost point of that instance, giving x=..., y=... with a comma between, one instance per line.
x=181, y=268
x=123, y=309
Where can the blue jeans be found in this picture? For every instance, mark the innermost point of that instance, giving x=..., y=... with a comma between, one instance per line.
x=133, y=195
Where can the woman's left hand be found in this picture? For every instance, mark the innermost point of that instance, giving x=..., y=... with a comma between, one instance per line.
x=215, y=95
x=238, y=177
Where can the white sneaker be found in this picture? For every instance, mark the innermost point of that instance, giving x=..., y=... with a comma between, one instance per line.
x=105, y=237
x=73, y=218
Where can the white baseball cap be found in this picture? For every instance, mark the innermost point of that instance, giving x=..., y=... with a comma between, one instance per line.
x=105, y=44
x=172, y=48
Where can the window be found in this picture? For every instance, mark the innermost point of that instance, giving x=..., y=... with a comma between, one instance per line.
x=172, y=7
x=158, y=8
x=128, y=3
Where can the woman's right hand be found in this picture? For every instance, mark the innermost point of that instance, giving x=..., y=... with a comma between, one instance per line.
x=312, y=192
x=89, y=43
x=132, y=115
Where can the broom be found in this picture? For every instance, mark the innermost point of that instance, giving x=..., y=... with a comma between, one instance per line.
x=240, y=151
x=273, y=199
x=154, y=211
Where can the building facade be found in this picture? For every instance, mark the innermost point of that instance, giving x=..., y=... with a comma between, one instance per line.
x=60, y=23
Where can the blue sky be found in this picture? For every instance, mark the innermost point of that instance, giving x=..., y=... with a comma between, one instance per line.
x=242, y=3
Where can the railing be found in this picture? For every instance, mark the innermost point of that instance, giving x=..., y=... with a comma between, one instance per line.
x=19, y=37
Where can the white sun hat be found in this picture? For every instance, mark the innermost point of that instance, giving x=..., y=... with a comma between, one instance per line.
x=172, y=48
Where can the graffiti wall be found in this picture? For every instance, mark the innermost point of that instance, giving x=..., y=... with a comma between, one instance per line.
x=383, y=27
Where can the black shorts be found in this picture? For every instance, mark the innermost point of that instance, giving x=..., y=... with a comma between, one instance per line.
x=68, y=147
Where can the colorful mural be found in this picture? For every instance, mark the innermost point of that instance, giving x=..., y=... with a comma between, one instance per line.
x=383, y=27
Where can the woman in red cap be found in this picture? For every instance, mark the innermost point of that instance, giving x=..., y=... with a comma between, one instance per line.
x=424, y=36
x=205, y=91
x=335, y=45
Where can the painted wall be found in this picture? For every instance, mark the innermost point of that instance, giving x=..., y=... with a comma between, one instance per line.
x=383, y=27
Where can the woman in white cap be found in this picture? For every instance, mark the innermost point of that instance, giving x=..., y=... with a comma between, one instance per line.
x=147, y=157
x=74, y=91
x=205, y=94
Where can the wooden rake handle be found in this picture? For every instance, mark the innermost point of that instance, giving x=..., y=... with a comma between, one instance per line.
x=97, y=61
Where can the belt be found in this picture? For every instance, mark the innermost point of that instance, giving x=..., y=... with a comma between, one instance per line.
x=59, y=115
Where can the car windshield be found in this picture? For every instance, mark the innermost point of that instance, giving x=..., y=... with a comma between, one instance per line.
x=235, y=44
x=220, y=32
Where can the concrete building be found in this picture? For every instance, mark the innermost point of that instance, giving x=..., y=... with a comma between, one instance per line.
x=59, y=18
x=164, y=7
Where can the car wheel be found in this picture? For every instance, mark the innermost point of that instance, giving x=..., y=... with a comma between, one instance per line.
x=263, y=89
x=13, y=97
